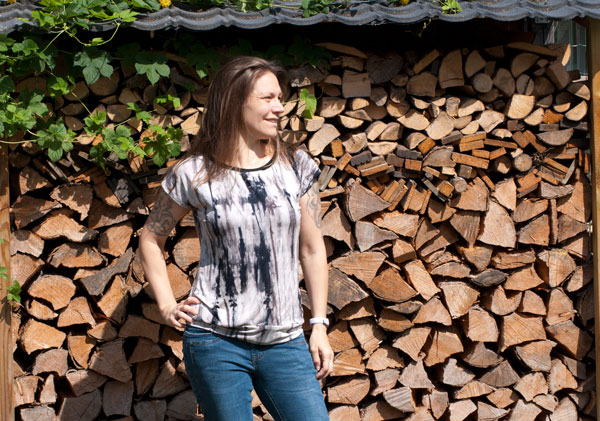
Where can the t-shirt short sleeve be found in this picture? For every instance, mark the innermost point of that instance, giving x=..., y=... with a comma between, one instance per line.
x=308, y=172
x=176, y=184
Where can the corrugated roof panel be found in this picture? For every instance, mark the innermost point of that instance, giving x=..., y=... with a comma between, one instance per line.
x=357, y=13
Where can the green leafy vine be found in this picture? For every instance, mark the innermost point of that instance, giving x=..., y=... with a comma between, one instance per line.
x=26, y=117
x=13, y=291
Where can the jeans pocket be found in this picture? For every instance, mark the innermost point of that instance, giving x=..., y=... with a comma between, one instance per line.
x=199, y=337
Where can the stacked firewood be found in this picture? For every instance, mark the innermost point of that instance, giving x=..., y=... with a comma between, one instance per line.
x=456, y=208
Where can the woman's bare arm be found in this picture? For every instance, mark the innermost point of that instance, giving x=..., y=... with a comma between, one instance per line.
x=163, y=218
x=313, y=259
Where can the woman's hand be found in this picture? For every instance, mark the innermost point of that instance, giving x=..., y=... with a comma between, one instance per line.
x=181, y=313
x=321, y=352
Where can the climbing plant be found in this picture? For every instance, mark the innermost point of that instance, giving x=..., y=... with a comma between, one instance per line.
x=25, y=116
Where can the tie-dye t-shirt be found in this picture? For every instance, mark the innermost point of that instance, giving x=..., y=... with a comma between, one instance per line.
x=248, y=223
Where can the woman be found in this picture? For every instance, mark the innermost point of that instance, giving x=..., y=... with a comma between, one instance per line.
x=256, y=209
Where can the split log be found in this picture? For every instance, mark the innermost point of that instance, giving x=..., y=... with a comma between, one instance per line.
x=342, y=290
x=560, y=378
x=153, y=410
x=402, y=399
x=414, y=376
x=347, y=363
x=57, y=290
x=390, y=286
x=460, y=410
x=524, y=411
x=459, y=297
x=383, y=358
x=497, y=227
x=532, y=304
x=77, y=312
x=84, y=408
x=109, y=360
x=516, y=329
x=361, y=202
x=36, y=335
x=433, y=312
x=575, y=341
x=344, y=413
x=480, y=326
x=420, y=279
x=168, y=382
x=117, y=398
x=502, y=375
x=322, y=138
x=501, y=303
x=444, y=343
x=379, y=410
x=488, y=412
x=368, y=334
x=60, y=225
x=38, y=413
x=368, y=234
x=350, y=391
x=520, y=106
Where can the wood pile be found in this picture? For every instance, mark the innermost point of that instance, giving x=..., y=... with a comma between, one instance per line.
x=456, y=207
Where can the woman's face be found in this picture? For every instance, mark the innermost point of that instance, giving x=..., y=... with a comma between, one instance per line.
x=263, y=108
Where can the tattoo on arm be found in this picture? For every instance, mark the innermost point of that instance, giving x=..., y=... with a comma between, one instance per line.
x=161, y=220
x=314, y=204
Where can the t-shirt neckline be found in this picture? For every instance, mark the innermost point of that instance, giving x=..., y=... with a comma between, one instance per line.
x=263, y=167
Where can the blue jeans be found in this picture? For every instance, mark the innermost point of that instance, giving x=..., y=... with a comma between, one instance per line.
x=223, y=371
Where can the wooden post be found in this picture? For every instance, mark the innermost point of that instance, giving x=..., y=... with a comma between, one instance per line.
x=593, y=50
x=6, y=340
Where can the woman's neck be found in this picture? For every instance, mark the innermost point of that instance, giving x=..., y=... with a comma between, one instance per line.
x=253, y=154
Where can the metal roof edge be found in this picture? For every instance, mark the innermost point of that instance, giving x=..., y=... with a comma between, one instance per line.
x=356, y=13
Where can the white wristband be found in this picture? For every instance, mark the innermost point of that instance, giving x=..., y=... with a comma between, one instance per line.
x=319, y=320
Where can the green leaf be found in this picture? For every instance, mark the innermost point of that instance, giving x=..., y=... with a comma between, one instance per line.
x=127, y=52
x=126, y=16
x=57, y=86
x=244, y=48
x=7, y=85
x=310, y=103
x=168, y=99
x=305, y=5
x=117, y=140
x=5, y=42
x=163, y=144
x=28, y=47
x=201, y=57
x=56, y=139
x=305, y=52
x=32, y=102
x=94, y=123
x=153, y=65
x=140, y=114
x=152, y=5
x=279, y=52
x=55, y=154
x=95, y=62
x=13, y=291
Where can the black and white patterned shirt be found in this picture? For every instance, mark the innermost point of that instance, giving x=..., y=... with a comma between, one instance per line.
x=248, y=223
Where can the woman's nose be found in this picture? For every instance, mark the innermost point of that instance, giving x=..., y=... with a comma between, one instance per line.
x=277, y=106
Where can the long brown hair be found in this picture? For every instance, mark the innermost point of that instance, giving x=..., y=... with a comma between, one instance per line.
x=222, y=122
